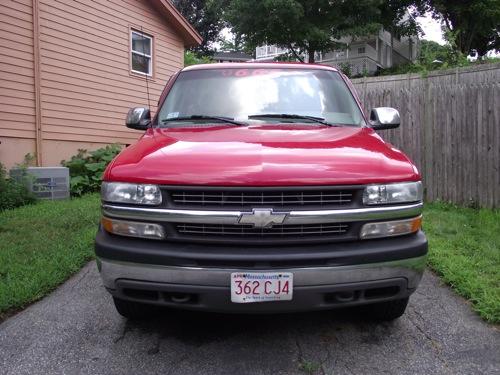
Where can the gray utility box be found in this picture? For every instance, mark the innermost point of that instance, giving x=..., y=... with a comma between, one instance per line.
x=44, y=182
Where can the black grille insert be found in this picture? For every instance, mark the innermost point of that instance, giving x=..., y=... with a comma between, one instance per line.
x=261, y=198
x=274, y=231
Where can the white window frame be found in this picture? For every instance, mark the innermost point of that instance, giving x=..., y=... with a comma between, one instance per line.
x=140, y=53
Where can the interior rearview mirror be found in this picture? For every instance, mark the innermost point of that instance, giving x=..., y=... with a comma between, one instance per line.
x=384, y=118
x=138, y=118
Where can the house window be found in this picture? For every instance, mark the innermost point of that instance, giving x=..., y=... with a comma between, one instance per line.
x=361, y=50
x=141, y=53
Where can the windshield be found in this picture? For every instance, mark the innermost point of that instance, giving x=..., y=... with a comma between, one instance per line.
x=242, y=93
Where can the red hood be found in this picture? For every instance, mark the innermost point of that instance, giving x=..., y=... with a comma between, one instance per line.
x=261, y=155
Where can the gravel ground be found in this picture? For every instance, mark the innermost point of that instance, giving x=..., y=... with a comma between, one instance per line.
x=76, y=330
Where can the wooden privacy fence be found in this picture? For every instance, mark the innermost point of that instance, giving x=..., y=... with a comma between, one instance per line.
x=450, y=127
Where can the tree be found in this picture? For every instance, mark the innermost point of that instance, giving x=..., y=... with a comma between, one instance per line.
x=303, y=26
x=206, y=18
x=190, y=58
x=434, y=55
x=396, y=17
x=471, y=25
x=235, y=42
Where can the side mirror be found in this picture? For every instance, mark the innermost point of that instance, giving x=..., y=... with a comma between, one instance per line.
x=384, y=118
x=138, y=118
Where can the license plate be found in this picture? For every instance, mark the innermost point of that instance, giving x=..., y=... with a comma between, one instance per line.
x=261, y=287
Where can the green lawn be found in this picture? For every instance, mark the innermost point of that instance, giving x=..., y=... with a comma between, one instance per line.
x=464, y=249
x=42, y=245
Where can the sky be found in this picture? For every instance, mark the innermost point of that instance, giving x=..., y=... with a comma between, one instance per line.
x=431, y=29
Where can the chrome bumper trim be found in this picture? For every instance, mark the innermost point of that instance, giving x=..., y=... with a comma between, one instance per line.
x=411, y=269
x=292, y=218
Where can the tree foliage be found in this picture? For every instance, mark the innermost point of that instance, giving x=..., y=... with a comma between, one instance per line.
x=190, y=58
x=206, y=18
x=471, y=25
x=433, y=54
x=397, y=16
x=236, y=42
x=309, y=26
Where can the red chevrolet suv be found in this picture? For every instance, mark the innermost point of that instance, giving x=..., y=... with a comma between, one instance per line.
x=261, y=188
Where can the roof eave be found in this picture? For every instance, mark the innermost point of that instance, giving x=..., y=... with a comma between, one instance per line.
x=188, y=33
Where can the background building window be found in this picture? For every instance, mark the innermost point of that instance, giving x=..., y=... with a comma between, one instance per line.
x=361, y=50
x=141, y=53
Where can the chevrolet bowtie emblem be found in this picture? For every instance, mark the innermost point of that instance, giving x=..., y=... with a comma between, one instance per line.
x=262, y=218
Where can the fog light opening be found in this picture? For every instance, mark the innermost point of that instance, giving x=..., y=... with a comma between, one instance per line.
x=180, y=297
x=347, y=296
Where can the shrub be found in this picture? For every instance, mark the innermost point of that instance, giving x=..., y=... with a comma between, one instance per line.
x=86, y=168
x=190, y=58
x=13, y=193
x=346, y=69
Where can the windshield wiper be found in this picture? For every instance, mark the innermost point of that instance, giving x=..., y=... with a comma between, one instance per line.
x=318, y=120
x=204, y=117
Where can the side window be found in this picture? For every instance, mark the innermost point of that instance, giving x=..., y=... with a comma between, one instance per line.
x=141, y=53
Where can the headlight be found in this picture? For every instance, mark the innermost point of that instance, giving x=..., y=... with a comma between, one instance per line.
x=133, y=229
x=120, y=192
x=391, y=228
x=393, y=193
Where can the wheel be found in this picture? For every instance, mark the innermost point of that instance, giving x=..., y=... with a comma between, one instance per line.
x=133, y=310
x=386, y=311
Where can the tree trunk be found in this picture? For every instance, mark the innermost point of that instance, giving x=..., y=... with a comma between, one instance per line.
x=310, y=57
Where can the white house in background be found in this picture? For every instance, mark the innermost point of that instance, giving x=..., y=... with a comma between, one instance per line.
x=231, y=56
x=362, y=54
x=368, y=54
x=267, y=53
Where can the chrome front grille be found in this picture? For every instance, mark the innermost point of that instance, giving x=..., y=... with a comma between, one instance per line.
x=262, y=198
x=249, y=231
x=215, y=225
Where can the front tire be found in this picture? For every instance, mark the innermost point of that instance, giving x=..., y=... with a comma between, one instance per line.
x=387, y=311
x=133, y=310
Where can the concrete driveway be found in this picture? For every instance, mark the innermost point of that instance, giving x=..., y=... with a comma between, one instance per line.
x=77, y=331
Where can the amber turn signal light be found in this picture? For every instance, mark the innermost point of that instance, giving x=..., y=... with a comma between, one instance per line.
x=133, y=229
x=391, y=228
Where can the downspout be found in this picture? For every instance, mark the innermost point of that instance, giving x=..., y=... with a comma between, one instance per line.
x=36, y=75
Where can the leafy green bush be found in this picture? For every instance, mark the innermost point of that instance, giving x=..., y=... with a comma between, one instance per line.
x=13, y=193
x=190, y=58
x=346, y=69
x=86, y=168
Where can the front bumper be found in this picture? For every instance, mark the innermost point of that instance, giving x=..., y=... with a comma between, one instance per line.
x=325, y=276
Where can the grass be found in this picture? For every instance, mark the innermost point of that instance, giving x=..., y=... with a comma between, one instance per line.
x=464, y=249
x=41, y=246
